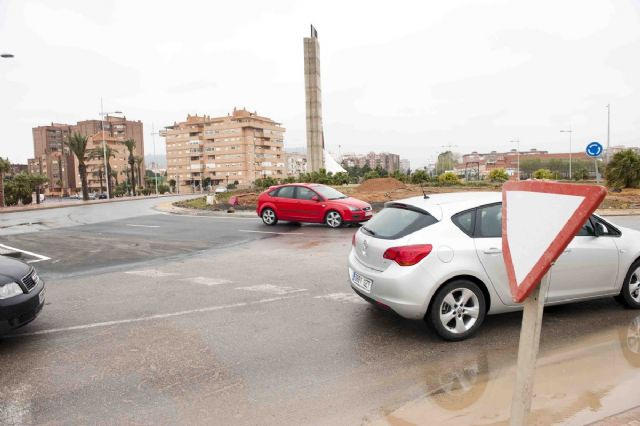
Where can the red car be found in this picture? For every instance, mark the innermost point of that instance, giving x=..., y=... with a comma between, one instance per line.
x=310, y=202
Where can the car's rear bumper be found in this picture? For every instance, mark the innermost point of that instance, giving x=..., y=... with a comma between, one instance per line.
x=404, y=291
x=357, y=217
x=20, y=310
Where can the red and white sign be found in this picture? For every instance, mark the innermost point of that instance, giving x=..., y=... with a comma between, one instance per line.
x=539, y=220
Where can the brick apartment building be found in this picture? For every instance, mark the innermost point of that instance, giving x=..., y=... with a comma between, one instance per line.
x=242, y=146
x=385, y=160
x=60, y=166
x=485, y=162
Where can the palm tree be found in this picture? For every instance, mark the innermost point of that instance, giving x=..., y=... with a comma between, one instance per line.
x=78, y=145
x=98, y=171
x=131, y=146
x=139, y=160
x=114, y=175
x=623, y=171
x=99, y=153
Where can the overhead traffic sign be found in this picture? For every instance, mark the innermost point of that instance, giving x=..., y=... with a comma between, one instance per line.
x=594, y=149
x=539, y=220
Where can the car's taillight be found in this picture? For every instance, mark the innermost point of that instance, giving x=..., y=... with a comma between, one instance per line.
x=408, y=255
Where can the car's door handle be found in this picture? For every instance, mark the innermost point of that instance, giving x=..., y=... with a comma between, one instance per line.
x=493, y=250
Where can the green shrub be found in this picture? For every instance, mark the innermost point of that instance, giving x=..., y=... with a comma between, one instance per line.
x=543, y=174
x=448, y=178
x=498, y=175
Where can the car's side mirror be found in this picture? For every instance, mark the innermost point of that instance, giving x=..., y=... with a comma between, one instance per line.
x=600, y=229
x=315, y=198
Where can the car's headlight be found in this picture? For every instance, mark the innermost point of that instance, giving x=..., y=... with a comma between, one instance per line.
x=9, y=290
x=354, y=209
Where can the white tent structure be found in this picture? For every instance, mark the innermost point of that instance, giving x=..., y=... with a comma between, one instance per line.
x=331, y=165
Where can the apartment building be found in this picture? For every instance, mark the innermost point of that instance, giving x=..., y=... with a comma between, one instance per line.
x=384, y=160
x=405, y=165
x=54, y=160
x=238, y=148
x=296, y=163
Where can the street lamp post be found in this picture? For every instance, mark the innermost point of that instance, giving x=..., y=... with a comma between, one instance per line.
x=570, y=131
x=104, y=145
x=606, y=155
x=517, y=142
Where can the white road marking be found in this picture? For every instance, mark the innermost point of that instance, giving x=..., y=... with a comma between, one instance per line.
x=152, y=273
x=150, y=318
x=206, y=281
x=39, y=257
x=273, y=289
x=343, y=297
x=208, y=217
x=144, y=226
x=271, y=232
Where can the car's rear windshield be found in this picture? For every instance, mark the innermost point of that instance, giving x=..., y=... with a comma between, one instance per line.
x=397, y=221
x=328, y=192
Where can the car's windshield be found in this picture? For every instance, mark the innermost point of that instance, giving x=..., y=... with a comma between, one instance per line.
x=328, y=192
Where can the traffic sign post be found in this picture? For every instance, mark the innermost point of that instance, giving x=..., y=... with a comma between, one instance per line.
x=594, y=150
x=539, y=220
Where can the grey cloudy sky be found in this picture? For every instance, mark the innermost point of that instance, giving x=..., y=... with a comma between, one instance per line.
x=405, y=77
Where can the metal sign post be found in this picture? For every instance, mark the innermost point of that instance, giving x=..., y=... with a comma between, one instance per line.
x=528, y=352
x=594, y=150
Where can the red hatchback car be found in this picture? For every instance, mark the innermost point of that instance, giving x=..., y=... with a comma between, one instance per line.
x=310, y=202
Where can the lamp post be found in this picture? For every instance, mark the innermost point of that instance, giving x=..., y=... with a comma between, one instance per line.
x=104, y=145
x=227, y=181
x=570, y=131
x=606, y=155
x=517, y=142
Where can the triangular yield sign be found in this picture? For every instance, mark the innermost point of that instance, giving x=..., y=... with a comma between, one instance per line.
x=539, y=220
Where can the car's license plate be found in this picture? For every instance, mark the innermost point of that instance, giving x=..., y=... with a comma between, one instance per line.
x=41, y=297
x=361, y=282
x=367, y=213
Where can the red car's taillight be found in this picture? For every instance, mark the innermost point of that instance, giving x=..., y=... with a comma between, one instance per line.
x=408, y=255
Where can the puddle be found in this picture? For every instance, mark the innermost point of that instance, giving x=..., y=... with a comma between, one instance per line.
x=580, y=382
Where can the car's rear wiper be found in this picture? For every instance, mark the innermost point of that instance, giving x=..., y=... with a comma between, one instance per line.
x=368, y=230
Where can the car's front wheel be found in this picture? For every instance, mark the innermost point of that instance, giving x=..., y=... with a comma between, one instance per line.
x=630, y=293
x=458, y=310
x=333, y=219
x=269, y=217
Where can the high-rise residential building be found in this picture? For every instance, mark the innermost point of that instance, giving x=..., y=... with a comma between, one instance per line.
x=240, y=147
x=60, y=165
x=296, y=163
x=384, y=160
x=405, y=165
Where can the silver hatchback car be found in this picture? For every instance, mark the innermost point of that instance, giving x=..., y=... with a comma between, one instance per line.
x=439, y=258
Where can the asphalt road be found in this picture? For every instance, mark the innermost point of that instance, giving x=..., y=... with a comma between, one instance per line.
x=162, y=319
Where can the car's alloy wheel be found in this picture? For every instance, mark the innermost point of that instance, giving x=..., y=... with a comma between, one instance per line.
x=333, y=219
x=458, y=310
x=630, y=293
x=269, y=217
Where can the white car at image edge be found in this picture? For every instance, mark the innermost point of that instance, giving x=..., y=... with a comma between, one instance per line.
x=440, y=259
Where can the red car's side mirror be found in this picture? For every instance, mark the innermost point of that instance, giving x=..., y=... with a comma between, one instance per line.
x=315, y=198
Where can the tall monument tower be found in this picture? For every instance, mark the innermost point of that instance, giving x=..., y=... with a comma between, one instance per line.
x=313, y=96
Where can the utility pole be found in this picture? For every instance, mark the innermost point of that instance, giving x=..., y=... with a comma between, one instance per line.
x=606, y=156
x=570, y=131
x=517, y=141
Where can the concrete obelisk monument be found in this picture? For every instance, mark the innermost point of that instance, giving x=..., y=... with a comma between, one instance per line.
x=313, y=97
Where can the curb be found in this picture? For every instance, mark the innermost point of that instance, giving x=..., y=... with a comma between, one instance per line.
x=80, y=203
x=168, y=207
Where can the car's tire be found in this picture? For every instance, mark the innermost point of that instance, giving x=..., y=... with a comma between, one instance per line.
x=630, y=293
x=333, y=219
x=458, y=310
x=269, y=217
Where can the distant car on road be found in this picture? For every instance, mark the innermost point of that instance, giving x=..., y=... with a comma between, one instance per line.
x=75, y=196
x=440, y=259
x=102, y=196
x=21, y=294
x=221, y=190
x=313, y=203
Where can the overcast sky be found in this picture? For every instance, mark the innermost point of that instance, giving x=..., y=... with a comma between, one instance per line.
x=404, y=77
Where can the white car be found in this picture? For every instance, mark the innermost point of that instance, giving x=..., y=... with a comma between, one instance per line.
x=440, y=259
x=221, y=190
